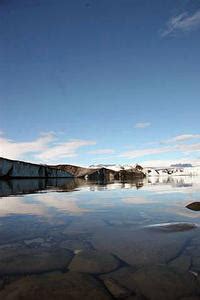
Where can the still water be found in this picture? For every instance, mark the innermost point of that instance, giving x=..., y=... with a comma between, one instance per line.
x=73, y=239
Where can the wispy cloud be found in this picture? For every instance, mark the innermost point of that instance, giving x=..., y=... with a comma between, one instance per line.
x=102, y=151
x=16, y=150
x=187, y=149
x=182, y=138
x=146, y=151
x=169, y=162
x=183, y=148
x=45, y=148
x=180, y=144
x=183, y=22
x=142, y=125
x=62, y=150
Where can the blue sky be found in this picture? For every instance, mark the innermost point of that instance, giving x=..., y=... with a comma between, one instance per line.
x=98, y=81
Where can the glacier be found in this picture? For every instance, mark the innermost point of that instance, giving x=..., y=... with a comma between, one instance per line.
x=171, y=171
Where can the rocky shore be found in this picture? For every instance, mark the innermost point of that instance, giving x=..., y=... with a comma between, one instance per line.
x=56, y=262
x=102, y=250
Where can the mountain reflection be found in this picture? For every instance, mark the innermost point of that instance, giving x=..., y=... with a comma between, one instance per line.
x=29, y=186
x=76, y=197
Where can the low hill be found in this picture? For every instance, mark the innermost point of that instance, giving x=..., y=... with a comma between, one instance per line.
x=76, y=171
x=103, y=172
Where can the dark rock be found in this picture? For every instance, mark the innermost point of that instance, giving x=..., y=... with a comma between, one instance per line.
x=138, y=247
x=194, y=206
x=116, y=289
x=1, y=283
x=159, y=282
x=24, y=260
x=172, y=227
x=120, y=283
x=136, y=297
x=181, y=263
x=91, y=261
x=70, y=286
x=196, y=263
x=191, y=298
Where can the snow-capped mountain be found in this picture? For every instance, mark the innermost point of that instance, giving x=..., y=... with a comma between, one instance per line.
x=114, y=167
x=162, y=171
x=173, y=171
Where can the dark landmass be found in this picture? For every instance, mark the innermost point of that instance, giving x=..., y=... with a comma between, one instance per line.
x=19, y=169
x=102, y=173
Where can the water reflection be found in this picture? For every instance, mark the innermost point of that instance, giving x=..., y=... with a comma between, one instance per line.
x=27, y=186
x=73, y=196
x=157, y=184
x=125, y=234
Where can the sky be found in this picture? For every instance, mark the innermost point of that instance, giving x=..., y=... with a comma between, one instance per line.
x=100, y=81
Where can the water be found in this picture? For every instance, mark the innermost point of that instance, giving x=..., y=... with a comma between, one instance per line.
x=73, y=239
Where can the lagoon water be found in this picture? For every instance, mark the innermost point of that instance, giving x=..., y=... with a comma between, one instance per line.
x=74, y=239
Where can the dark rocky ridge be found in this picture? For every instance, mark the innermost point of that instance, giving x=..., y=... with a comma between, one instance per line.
x=102, y=173
x=19, y=169
x=76, y=171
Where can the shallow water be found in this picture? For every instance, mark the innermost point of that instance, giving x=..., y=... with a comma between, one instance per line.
x=73, y=239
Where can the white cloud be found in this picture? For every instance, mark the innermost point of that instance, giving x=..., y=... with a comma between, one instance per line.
x=144, y=152
x=16, y=150
x=102, y=151
x=169, y=162
x=157, y=163
x=62, y=150
x=183, y=148
x=176, y=144
x=43, y=149
x=183, y=22
x=187, y=149
x=183, y=138
x=142, y=125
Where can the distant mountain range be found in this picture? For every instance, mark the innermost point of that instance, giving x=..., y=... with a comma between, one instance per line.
x=181, y=166
x=12, y=168
x=101, y=171
x=114, y=167
x=20, y=169
x=177, y=170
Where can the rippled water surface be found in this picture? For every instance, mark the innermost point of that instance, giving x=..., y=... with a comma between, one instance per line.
x=73, y=239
